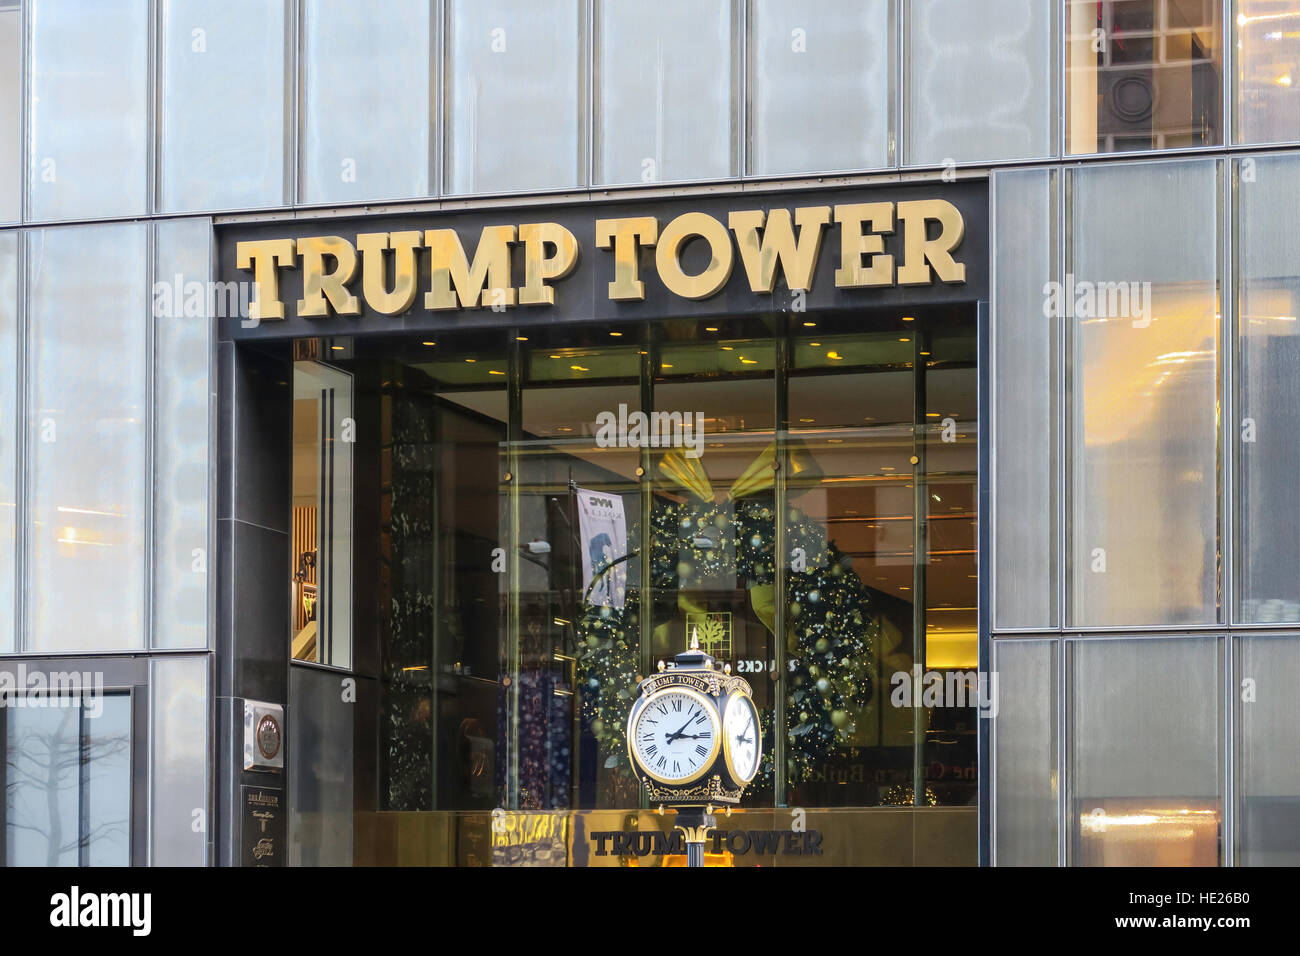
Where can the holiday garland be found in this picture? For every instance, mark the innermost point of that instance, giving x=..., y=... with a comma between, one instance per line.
x=830, y=630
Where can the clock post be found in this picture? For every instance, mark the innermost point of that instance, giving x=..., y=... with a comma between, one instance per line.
x=694, y=740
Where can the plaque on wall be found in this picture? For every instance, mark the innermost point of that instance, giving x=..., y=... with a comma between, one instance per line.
x=263, y=826
x=263, y=736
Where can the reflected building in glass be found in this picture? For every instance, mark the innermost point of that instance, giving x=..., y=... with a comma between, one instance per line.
x=931, y=362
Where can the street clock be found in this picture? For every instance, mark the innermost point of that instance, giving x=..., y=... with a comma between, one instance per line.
x=693, y=734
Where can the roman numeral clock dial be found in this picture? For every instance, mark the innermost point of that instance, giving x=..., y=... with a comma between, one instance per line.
x=676, y=736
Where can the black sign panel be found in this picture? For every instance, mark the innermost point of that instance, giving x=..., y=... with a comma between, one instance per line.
x=583, y=294
x=263, y=826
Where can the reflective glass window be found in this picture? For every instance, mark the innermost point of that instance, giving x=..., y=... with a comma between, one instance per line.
x=1141, y=296
x=1268, y=72
x=1024, y=753
x=514, y=97
x=367, y=118
x=11, y=61
x=1268, y=396
x=183, y=327
x=67, y=780
x=1024, y=400
x=9, y=440
x=1268, y=752
x=178, y=718
x=86, y=436
x=1145, y=753
x=223, y=104
x=88, y=106
x=1143, y=74
x=819, y=85
x=977, y=75
x=666, y=98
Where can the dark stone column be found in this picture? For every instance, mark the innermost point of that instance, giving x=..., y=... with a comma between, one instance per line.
x=254, y=426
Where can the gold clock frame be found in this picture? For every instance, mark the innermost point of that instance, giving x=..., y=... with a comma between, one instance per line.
x=715, y=719
x=732, y=700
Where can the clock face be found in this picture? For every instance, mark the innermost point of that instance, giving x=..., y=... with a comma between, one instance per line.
x=676, y=736
x=742, y=747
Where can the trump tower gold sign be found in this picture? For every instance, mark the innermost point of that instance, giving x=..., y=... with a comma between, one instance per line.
x=744, y=253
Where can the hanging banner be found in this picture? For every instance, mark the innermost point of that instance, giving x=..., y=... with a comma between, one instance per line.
x=603, y=528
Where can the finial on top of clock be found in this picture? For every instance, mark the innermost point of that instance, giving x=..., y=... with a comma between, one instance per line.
x=695, y=638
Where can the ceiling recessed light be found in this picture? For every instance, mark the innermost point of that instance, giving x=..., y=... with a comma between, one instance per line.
x=554, y=355
x=745, y=361
x=834, y=355
x=616, y=334
x=521, y=338
x=337, y=348
x=904, y=340
x=665, y=365
x=925, y=353
x=728, y=348
x=710, y=328
x=815, y=345
x=579, y=368
x=493, y=371
x=909, y=318
x=471, y=361
x=810, y=325
x=808, y=421
x=429, y=343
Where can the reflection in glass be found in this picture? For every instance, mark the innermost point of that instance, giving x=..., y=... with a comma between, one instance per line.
x=87, y=437
x=1143, y=74
x=1268, y=394
x=1145, y=751
x=88, y=104
x=223, y=111
x=512, y=95
x=1268, y=72
x=68, y=782
x=977, y=80
x=1144, y=461
x=819, y=73
x=361, y=139
x=665, y=98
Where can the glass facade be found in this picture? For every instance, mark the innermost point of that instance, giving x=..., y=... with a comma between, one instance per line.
x=1142, y=535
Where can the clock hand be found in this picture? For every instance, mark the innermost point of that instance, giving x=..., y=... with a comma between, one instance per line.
x=679, y=734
